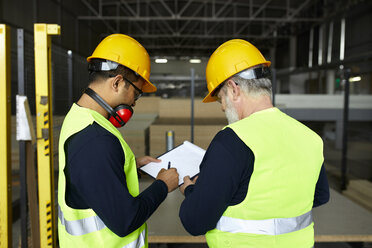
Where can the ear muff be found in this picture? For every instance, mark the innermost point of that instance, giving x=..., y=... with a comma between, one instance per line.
x=124, y=112
x=118, y=116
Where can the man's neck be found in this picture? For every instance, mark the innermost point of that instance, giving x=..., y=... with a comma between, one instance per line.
x=88, y=102
x=253, y=104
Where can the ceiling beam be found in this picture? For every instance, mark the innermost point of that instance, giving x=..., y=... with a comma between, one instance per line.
x=98, y=16
x=228, y=3
x=159, y=16
x=289, y=18
x=129, y=8
x=200, y=19
x=166, y=24
x=253, y=16
x=167, y=7
x=184, y=8
x=136, y=23
x=239, y=4
x=188, y=22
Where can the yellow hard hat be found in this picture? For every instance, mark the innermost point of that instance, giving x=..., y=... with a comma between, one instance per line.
x=128, y=52
x=231, y=57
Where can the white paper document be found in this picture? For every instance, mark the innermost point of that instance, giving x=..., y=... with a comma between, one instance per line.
x=186, y=158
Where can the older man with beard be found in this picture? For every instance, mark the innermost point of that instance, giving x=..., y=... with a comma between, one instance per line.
x=263, y=173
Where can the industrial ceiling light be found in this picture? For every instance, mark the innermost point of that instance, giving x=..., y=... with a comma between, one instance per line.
x=195, y=61
x=161, y=61
x=355, y=79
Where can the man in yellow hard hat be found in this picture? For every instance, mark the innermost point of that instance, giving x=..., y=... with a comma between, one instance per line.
x=99, y=204
x=263, y=173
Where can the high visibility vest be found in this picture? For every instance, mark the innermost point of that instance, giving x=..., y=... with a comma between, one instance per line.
x=82, y=227
x=276, y=211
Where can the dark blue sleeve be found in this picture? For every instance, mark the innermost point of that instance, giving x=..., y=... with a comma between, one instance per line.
x=321, y=195
x=96, y=173
x=226, y=166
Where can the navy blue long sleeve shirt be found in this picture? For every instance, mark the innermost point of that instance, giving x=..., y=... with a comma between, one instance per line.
x=95, y=179
x=227, y=160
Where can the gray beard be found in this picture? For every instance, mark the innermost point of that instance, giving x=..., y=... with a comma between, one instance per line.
x=230, y=111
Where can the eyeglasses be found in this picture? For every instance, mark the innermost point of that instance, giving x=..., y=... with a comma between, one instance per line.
x=139, y=92
x=217, y=91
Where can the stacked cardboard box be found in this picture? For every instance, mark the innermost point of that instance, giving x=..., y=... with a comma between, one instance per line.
x=136, y=133
x=175, y=115
x=181, y=108
x=204, y=131
x=147, y=104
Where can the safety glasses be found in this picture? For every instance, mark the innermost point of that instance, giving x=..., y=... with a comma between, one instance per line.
x=217, y=90
x=139, y=92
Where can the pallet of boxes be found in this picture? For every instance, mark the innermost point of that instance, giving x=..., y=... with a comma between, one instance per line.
x=136, y=131
x=175, y=115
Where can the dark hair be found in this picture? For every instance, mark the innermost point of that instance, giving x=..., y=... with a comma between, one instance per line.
x=103, y=75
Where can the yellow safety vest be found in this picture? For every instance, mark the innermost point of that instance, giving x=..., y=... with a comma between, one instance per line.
x=83, y=228
x=276, y=213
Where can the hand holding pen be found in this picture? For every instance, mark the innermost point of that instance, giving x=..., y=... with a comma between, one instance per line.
x=170, y=177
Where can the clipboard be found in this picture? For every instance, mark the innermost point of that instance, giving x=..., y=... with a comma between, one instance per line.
x=186, y=158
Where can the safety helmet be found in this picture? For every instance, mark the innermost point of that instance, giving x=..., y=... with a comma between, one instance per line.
x=128, y=52
x=230, y=58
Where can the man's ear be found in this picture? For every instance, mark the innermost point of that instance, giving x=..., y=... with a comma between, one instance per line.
x=115, y=82
x=235, y=89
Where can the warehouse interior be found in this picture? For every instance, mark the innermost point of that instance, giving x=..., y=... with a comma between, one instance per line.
x=321, y=55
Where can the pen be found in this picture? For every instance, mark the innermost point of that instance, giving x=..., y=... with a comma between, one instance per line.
x=169, y=165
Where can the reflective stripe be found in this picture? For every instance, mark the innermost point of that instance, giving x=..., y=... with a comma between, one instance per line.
x=82, y=226
x=139, y=242
x=267, y=227
x=93, y=224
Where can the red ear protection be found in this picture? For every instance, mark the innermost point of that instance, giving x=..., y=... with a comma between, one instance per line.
x=124, y=112
x=118, y=116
